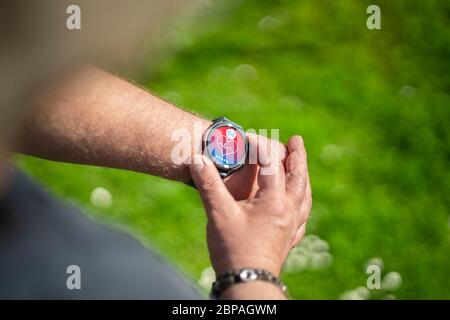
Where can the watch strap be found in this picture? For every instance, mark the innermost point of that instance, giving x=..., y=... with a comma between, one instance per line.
x=231, y=278
x=191, y=182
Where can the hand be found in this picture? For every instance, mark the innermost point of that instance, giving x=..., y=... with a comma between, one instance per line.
x=260, y=231
x=242, y=184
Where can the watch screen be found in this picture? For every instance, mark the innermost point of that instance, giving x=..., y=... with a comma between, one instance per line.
x=226, y=146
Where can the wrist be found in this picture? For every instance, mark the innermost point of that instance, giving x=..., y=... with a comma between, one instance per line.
x=198, y=129
x=256, y=290
x=192, y=143
x=260, y=263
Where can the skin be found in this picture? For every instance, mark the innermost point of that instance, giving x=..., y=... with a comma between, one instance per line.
x=92, y=117
x=257, y=232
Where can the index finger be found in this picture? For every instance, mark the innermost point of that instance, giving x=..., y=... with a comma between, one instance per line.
x=271, y=176
x=296, y=169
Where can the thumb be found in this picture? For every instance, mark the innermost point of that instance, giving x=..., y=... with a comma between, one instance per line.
x=214, y=194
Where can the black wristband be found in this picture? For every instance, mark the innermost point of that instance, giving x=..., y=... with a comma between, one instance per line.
x=231, y=278
x=191, y=182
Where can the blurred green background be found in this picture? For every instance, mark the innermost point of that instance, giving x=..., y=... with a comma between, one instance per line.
x=372, y=106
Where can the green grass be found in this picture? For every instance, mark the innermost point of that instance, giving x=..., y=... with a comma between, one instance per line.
x=378, y=154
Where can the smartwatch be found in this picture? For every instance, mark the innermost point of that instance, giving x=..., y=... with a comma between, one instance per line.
x=226, y=144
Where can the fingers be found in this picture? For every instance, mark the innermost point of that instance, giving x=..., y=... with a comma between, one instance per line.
x=214, y=194
x=299, y=235
x=271, y=176
x=305, y=211
x=296, y=169
x=305, y=208
x=278, y=149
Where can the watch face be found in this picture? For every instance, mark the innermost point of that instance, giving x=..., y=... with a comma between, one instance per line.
x=226, y=146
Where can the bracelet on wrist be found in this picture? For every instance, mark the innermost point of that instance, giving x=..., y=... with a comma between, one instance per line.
x=230, y=278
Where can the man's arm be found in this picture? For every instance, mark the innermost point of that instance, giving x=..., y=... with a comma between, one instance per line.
x=92, y=117
x=95, y=118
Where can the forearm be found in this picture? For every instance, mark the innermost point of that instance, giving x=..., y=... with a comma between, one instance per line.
x=95, y=118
